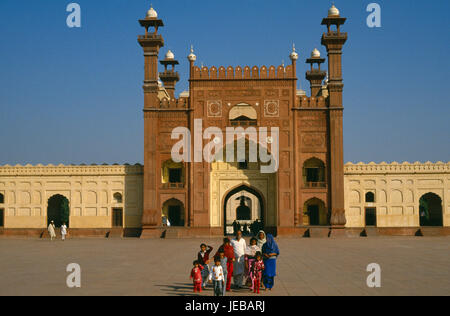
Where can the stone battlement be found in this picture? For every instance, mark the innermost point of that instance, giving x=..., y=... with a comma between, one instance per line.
x=246, y=73
x=181, y=103
x=41, y=170
x=395, y=167
x=310, y=102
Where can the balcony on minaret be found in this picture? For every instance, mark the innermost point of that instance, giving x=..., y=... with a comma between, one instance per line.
x=169, y=77
x=151, y=21
x=315, y=76
x=334, y=19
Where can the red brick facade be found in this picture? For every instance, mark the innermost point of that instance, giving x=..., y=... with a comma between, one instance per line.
x=309, y=127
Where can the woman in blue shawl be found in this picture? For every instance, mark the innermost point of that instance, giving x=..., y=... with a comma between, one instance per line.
x=270, y=252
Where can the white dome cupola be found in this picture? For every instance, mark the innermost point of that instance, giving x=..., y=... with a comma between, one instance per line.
x=152, y=14
x=333, y=11
x=315, y=53
x=170, y=55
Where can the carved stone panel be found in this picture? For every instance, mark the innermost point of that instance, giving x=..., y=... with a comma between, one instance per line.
x=215, y=108
x=272, y=108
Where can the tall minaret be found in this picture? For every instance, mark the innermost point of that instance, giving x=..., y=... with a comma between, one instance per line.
x=315, y=76
x=334, y=40
x=151, y=42
x=169, y=77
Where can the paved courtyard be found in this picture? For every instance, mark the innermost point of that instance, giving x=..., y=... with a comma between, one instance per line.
x=410, y=266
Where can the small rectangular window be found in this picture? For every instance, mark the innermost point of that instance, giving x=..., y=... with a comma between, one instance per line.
x=175, y=175
x=243, y=165
x=312, y=175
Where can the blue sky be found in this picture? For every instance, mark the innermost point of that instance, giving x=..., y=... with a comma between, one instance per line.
x=75, y=96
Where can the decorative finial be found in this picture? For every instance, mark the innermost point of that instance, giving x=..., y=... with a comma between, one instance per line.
x=192, y=57
x=315, y=53
x=294, y=55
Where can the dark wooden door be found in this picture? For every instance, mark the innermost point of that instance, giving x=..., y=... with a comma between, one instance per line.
x=371, y=217
x=175, y=215
x=117, y=217
x=314, y=219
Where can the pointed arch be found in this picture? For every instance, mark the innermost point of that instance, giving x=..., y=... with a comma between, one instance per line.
x=173, y=210
x=247, y=188
x=431, y=210
x=315, y=213
x=314, y=173
x=58, y=210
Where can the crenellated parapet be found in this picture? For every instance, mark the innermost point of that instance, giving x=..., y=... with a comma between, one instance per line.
x=310, y=102
x=181, y=103
x=70, y=170
x=397, y=168
x=246, y=73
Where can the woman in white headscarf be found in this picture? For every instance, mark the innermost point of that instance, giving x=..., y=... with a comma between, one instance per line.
x=261, y=239
x=51, y=230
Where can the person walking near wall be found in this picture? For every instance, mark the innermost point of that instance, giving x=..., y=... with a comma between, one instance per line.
x=51, y=230
x=63, y=231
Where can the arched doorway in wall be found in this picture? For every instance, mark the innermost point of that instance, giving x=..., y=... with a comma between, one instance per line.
x=173, y=211
x=430, y=210
x=243, y=210
x=315, y=213
x=58, y=210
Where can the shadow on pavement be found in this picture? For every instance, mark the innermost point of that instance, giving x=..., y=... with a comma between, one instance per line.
x=180, y=289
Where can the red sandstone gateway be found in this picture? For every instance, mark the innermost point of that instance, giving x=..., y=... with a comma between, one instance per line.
x=310, y=149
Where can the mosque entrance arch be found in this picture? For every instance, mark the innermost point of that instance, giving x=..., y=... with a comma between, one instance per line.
x=239, y=185
x=243, y=210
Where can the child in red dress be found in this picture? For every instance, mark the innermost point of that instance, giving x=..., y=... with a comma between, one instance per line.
x=196, y=276
x=256, y=272
x=228, y=250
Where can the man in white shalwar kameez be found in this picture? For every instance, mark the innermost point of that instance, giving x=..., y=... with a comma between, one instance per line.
x=239, y=246
x=63, y=231
x=51, y=230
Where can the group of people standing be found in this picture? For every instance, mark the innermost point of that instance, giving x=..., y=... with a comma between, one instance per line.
x=52, y=231
x=246, y=229
x=253, y=265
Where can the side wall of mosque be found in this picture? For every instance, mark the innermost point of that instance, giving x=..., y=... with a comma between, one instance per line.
x=395, y=193
x=94, y=194
x=104, y=197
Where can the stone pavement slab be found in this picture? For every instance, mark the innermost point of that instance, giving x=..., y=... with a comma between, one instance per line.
x=306, y=267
